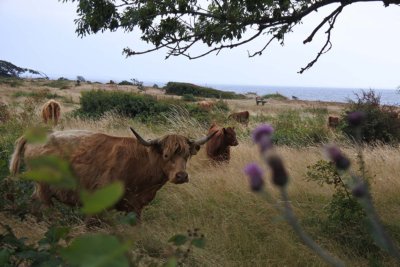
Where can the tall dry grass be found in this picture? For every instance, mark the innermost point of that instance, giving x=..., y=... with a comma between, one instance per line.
x=240, y=228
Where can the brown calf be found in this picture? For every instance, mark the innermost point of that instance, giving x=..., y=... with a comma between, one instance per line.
x=242, y=117
x=218, y=148
x=333, y=122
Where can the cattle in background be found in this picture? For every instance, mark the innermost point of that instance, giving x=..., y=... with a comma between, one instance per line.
x=333, y=122
x=218, y=148
x=51, y=111
x=98, y=159
x=242, y=117
x=206, y=105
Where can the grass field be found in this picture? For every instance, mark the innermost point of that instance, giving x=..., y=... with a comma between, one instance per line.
x=241, y=228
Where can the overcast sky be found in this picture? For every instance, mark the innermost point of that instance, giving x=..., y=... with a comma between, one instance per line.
x=40, y=34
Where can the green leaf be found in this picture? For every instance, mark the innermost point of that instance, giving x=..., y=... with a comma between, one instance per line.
x=50, y=169
x=4, y=257
x=129, y=218
x=96, y=250
x=171, y=262
x=178, y=240
x=199, y=242
x=36, y=134
x=54, y=234
x=101, y=199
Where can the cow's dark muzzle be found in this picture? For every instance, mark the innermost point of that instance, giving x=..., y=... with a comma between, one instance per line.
x=181, y=177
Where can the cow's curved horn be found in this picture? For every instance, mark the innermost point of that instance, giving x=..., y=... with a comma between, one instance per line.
x=142, y=141
x=204, y=140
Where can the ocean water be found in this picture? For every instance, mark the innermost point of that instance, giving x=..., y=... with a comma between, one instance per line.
x=388, y=96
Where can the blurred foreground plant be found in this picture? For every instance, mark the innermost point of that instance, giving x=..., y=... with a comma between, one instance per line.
x=359, y=188
x=57, y=247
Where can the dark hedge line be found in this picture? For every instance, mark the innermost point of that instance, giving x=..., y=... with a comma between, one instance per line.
x=177, y=88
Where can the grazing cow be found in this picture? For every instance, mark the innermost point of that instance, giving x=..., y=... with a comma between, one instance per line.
x=242, y=117
x=51, y=111
x=206, y=105
x=97, y=159
x=218, y=148
x=333, y=122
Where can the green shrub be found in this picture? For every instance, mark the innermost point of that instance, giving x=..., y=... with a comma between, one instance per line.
x=296, y=130
x=346, y=221
x=145, y=108
x=382, y=123
x=221, y=105
x=276, y=96
x=176, y=88
x=96, y=103
x=125, y=83
x=189, y=98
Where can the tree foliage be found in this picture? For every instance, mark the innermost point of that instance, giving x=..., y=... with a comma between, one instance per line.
x=8, y=69
x=178, y=25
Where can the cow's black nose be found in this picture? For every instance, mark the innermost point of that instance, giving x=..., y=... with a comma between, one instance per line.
x=181, y=177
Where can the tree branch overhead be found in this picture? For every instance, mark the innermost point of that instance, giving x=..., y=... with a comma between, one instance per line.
x=176, y=25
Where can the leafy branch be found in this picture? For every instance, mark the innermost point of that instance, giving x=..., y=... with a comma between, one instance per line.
x=177, y=25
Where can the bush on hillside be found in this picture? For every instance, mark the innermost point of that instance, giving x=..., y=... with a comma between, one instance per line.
x=125, y=83
x=176, y=88
x=276, y=96
x=145, y=108
x=382, y=123
x=96, y=103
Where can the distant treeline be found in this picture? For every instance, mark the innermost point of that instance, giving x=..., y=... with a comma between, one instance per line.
x=177, y=88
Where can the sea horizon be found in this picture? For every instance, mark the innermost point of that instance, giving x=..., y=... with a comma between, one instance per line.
x=389, y=96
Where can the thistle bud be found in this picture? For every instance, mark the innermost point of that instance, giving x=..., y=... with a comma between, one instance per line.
x=359, y=190
x=279, y=174
x=335, y=155
x=255, y=174
x=356, y=118
x=262, y=136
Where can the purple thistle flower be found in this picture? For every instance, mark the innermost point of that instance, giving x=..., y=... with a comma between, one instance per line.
x=335, y=155
x=255, y=174
x=356, y=118
x=262, y=136
x=260, y=131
